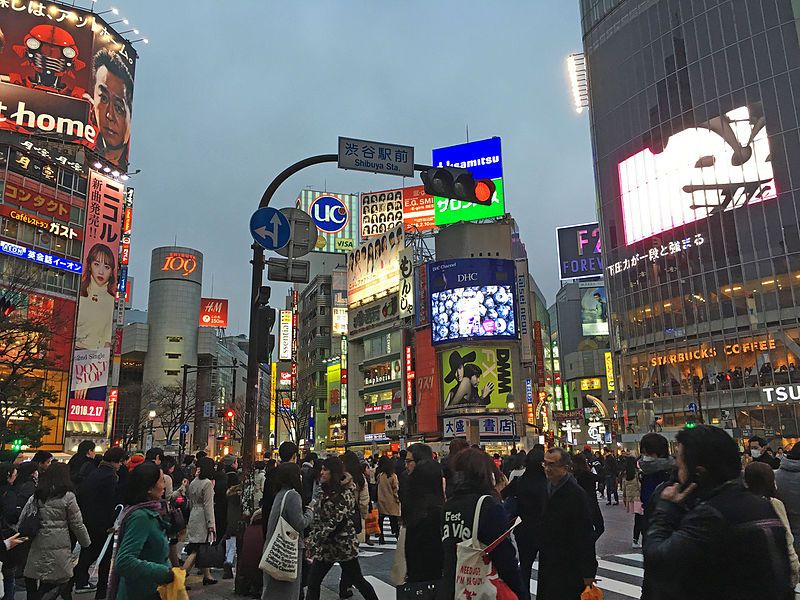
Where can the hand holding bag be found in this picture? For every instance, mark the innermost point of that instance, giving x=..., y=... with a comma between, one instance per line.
x=592, y=593
x=280, y=558
x=371, y=523
x=30, y=521
x=211, y=554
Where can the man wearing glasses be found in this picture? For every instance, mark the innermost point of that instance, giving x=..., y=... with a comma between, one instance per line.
x=567, y=561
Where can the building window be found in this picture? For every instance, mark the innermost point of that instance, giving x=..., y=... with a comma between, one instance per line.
x=173, y=355
x=171, y=372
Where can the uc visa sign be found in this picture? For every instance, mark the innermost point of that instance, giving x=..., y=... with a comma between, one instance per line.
x=330, y=214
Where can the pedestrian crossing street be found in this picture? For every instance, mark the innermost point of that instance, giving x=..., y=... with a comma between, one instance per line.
x=368, y=551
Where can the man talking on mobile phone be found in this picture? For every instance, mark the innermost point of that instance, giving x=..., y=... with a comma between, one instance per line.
x=709, y=537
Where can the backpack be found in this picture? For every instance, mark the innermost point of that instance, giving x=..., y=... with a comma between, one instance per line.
x=30, y=521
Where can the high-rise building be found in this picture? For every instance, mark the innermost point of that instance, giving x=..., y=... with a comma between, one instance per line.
x=694, y=128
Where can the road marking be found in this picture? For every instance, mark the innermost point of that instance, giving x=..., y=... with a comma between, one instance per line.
x=620, y=568
x=363, y=554
x=636, y=557
x=379, y=546
x=382, y=589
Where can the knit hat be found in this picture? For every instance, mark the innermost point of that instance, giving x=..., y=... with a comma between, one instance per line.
x=135, y=460
x=229, y=460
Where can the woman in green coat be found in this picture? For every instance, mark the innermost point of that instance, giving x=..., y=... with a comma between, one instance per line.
x=142, y=561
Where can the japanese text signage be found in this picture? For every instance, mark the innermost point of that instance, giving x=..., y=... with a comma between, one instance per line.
x=484, y=160
x=376, y=157
x=409, y=376
x=488, y=426
x=579, y=251
x=213, y=312
x=610, y=382
x=51, y=227
x=406, y=292
x=35, y=201
x=48, y=260
x=410, y=207
x=68, y=76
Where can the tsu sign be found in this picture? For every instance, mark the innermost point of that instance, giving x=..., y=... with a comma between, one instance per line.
x=579, y=251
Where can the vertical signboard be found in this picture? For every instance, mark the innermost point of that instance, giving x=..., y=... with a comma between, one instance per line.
x=406, y=292
x=610, y=383
x=285, y=336
x=538, y=345
x=273, y=404
x=98, y=290
x=343, y=376
x=421, y=292
x=522, y=304
x=409, y=376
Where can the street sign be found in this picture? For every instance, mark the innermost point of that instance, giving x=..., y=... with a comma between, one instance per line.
x=270, y=228
x=692, y=407
x=208, y=409
x=284, y=269
x=185, y=428
x=303, y=233
x=376, y=157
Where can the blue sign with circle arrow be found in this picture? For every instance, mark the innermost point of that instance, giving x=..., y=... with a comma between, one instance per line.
x=270, y=228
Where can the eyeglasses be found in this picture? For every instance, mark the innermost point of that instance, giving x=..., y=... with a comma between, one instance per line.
x=410, y=460
x=552, y=465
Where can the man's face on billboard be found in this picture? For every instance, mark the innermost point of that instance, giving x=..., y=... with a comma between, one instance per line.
x=111, y=106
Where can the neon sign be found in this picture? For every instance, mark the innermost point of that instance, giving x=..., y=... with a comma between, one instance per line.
x=48, y=260
x=185, y=264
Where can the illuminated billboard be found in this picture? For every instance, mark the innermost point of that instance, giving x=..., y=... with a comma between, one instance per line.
x=719, y=165
x=285, y=336
x=65, y=74
x=484, y=160
x=336, y=219
x=579, y=251
x=213, y=312
x=477, y=377
x=385, y=210
x=472, y=298
x=594, y=312
x=373, y=269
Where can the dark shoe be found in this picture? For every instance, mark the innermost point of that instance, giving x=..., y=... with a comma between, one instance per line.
x=608, y=503
x=227, y=571
x=85, y=589
x=382, y=541
x=209, y=581
x=345, y=594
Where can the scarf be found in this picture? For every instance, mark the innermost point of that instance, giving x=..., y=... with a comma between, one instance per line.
x=159, y=506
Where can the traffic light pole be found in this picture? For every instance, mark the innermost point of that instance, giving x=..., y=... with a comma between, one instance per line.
x=251, y=397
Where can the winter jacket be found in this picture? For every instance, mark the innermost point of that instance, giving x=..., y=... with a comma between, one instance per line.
x=388, y=495
x=529, y=495
x=97, y=498
x=50, y=556
x=422, y=518
x=655, y=471
x=794, y=562
x=299, y=519
x=631, y=490
x=142, y=560
x=457, y=521
x=696, y=552
x=588, y=482
x=611, y=466
x=201, y=513
x=787, y=478
x=567, y=552
x=332, y=537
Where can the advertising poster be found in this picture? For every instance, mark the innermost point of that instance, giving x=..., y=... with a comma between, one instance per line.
x=472, y=298
x=579, y=251
x=373, y=269
x=719, y=165
x=428, y=383
x=213, y=312
x=339, y=321
x=334, y=383
x=65, y=74
x=406, y=292
x=419, y=213
x=285, y=336
x=336, y=217
x=484, y=160
x=594, y=312
x=475, y=376
x=380, y=212
x=98, y=290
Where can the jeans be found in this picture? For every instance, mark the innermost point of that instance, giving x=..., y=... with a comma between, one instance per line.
x=611, y=486
x=527, y=556
x=88, y=557
x=230, y=550
x=350, y=569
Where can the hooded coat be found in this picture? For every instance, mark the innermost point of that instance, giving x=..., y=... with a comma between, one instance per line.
x=332, y=537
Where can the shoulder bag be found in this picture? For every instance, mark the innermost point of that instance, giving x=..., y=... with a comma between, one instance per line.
x=280, y=558
x=30, y=521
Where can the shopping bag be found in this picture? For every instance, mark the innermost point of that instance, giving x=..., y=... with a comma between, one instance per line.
x=176, y=589
x=371, y=523
x=476, y=577
x=592, y=592
x=280, y=558
x=417, y=590
x=399, y=569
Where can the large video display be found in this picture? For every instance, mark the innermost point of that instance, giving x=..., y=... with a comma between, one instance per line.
x=472, y=298
x=594, y=312
x=66, y=75
x=720, y=165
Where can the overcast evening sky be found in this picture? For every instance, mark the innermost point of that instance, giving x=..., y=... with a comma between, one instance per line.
x=230, y=93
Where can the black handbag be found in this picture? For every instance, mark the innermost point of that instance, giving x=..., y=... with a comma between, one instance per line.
x=31, y=523
x=417, y=590
x=211, y=555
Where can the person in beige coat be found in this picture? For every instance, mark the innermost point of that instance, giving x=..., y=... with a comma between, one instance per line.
x=202, y=526
x=49, y=564
x=388, y=497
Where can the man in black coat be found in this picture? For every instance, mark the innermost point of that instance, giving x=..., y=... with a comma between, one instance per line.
x=567, y=561
x=699, y=527
x=758, y=450
x=98, y=497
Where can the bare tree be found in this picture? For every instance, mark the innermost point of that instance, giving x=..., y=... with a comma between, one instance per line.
x=166, y=401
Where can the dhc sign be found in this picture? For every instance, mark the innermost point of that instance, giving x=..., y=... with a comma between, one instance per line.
x=329, y=214
x=782, y=393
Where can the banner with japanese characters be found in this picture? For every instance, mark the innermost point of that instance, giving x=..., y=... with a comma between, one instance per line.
x=489, y=426
x=97, y=292
x=65, y=74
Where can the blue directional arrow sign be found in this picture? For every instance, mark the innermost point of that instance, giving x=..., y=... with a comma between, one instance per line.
x=185, y=428
x=692, y=407
x=270, y=228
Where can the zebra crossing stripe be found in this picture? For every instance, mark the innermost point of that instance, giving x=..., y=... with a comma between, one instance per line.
x=620, y=568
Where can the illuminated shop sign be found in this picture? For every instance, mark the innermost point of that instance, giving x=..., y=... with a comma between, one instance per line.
x=719, y=165
x=50, y=227
x=180, y=262
x=708, y=352
x=382, y=373
x=375, y=437
x=610, y=384
x=592, y=383
x=48, y=260
x=488, y=426
x=782, y=393
x=653, y=254
x=374, y=408
x=579, y=251
x=33, y=200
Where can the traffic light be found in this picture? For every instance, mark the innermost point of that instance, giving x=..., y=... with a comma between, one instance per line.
x=452, y=182
x=266, y=341
x=229, y=413
x=6, y=307
x=16, y=445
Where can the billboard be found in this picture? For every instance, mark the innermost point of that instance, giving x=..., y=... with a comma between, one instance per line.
x=719, y=165
x=475, y=376
x=373, y=269
x=484, y=160
x=336, y=219
x=594, y=311
x=285, y=336
x=428, y=383
x=98, y=290
x=333, y=381
x=472, y=298
x=339, y=320
x=579, y=251
x=66, y=75
x=213, y=312
x=382, y=211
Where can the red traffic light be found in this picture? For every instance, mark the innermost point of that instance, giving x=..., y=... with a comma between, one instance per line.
x=229, y=413
x=484, y=190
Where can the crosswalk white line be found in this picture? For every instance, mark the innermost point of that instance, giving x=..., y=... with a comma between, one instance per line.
x=620, y=568
x=367, y=554
x=605, y=583
x=638, y=557
x=383, y=590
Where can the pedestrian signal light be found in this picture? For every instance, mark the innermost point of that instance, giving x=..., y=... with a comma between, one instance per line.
x=16, y=445
x=458, y=184
x=6, y=307
x=691, y=425
x=229, y=413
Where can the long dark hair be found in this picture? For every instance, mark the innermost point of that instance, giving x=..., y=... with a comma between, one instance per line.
x=140, y=481
x=25, y=472
x=287, y=475
x=425, y=497
x=386, y=466
x=205, y=468
x=335, y=465
x=353, y=466
x=630, y=468
x=54, y=483
x=473, y=471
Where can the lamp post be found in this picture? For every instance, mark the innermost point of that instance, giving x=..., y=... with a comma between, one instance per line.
x=402, y=424
x=513, y=423
x=151, y=414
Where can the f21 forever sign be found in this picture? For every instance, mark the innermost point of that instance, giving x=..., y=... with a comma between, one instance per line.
x=579, y=251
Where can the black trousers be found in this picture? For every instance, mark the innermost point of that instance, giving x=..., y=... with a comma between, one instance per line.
x=638, y=521
x=350, y=569
x=527, y=556
x=47, y=590
x=394, y=525
x=88, y=557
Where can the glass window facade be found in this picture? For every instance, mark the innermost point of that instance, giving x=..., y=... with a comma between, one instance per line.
x=697, y=153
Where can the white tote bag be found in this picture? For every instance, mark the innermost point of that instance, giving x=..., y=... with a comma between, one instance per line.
x=476, y=577
x=279, y=560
